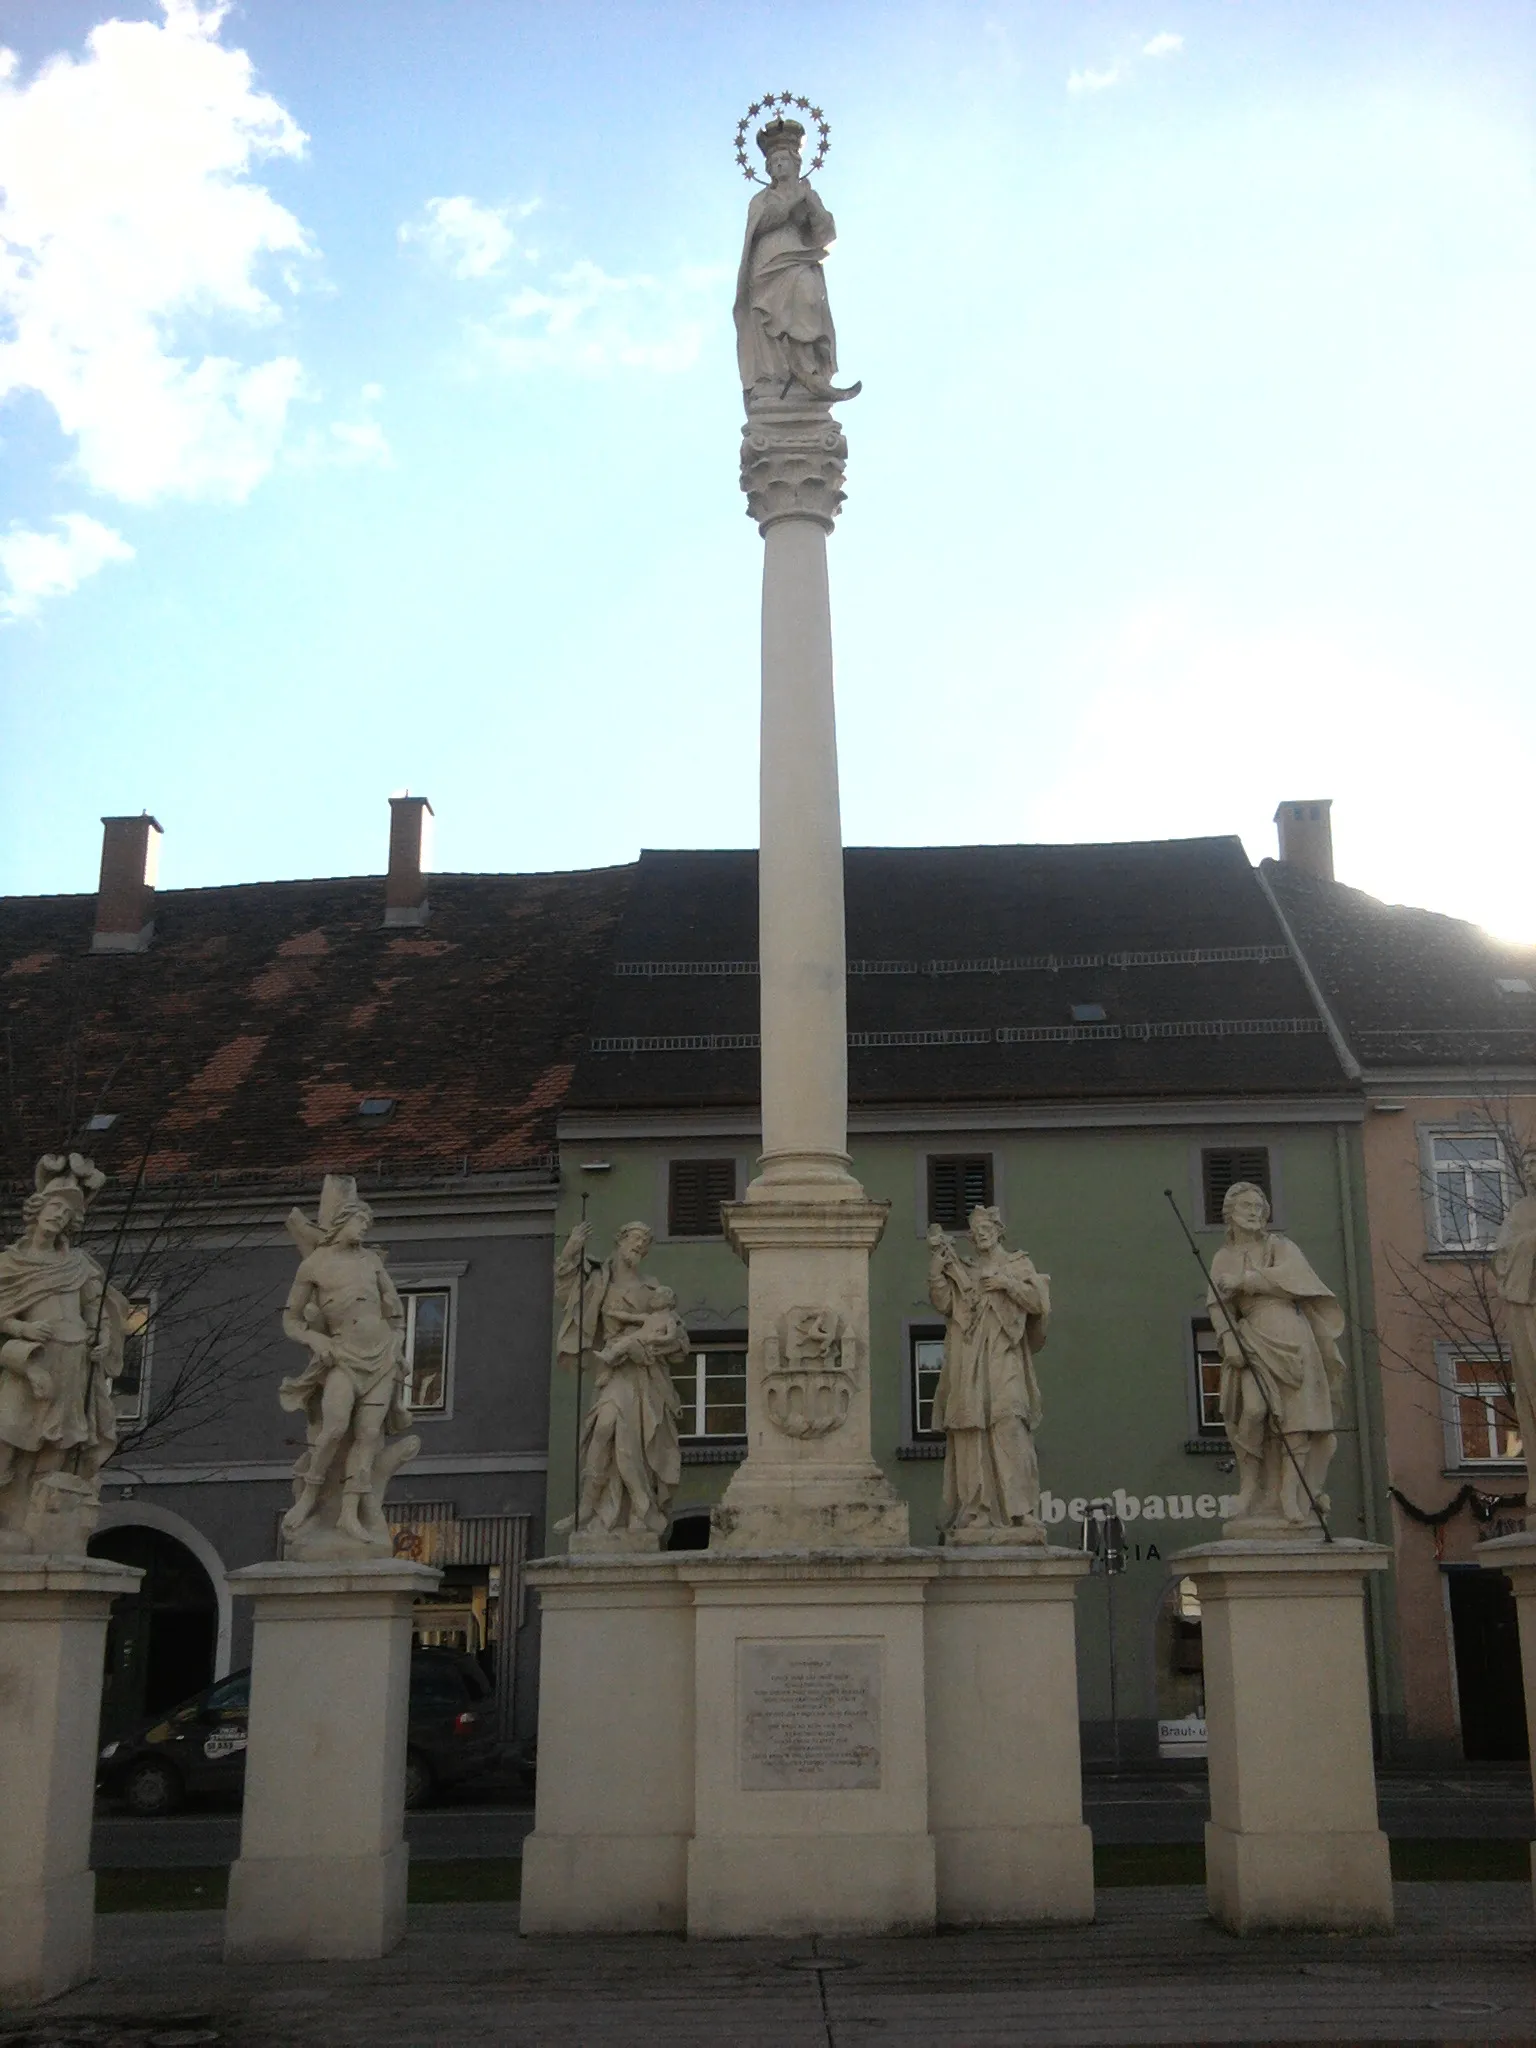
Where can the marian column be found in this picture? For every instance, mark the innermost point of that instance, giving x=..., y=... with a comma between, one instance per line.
x=806, y=1227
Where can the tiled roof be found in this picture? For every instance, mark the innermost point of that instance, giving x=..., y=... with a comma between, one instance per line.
x=965, y=966
x=245, y=1038
x=1409, y=987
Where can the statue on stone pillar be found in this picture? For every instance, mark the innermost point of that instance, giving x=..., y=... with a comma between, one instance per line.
x=344, y=1310
x=1282, y=1375
x=784, y=332
x=1514, y=1275
x=997, y=1309
x=62, y=1329
x=628, y=1324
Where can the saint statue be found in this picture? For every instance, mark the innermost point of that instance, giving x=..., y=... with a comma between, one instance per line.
x=1282, y=1375
x=996, y=1309
x=629, y=1326
x=1514, y=1275
x=62, y=1328
x=784, y=332
x=344, y=1310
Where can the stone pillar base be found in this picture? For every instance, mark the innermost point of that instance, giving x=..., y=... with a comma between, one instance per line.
x=1338, y=1882
x=322, y=1867
x=1293, y=1840
x=53, y=1625
x=1005, y=1789
x=1516, y=1555
x=810, y=1884
x=604, y=1884
x=339, y=1907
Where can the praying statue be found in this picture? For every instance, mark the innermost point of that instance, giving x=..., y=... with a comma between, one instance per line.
x=62, y=1331
x=628, y=1327
x=1514, y=1275
x=996, y=1309
x=784, y=333
x=1282, y=1375
x=344, y=1310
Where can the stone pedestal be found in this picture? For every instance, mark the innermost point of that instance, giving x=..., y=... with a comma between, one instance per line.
x=614, y=1813
x=53, y=1625
x=321, y=1872
x=1516, y=1555
x=1293, y=1840
x=1005, y=1791
x=811, y=1752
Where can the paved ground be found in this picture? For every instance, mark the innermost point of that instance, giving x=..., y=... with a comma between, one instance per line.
x=1485, y=1804
x=1461, y=1969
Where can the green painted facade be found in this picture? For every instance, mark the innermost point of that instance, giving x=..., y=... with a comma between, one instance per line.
x=1117, y=1374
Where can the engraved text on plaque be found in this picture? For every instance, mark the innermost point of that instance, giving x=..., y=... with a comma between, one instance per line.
x=809, y=1716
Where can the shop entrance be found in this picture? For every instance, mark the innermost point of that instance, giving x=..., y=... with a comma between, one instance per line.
x=1485, y=1627
x=162, y=1638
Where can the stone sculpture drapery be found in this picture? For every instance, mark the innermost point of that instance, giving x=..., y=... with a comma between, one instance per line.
x=784, y=332
x=996, y=1309
x=344, y=1310
x=1282, y=1375
x=627, y=1325
x=62, y=1331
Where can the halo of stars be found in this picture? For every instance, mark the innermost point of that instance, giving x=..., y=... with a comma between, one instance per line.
x=783, y=103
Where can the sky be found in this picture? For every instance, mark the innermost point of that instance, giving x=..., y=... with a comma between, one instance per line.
x=369, y=421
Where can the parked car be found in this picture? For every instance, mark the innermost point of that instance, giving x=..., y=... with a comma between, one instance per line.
x=199, y=1747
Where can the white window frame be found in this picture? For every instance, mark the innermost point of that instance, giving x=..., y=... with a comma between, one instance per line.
x=920, y=1330
x=700, y=1342
x=148, y=1302
x=1199, y=1427
x=1432, y=1135
x=410, y=1280
x=1447, y=1357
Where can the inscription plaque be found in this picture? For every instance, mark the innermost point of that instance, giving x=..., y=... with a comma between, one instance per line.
x=808, y=1716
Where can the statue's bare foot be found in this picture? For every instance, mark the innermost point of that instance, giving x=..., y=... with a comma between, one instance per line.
x=299, y=1513
x=348, y=1524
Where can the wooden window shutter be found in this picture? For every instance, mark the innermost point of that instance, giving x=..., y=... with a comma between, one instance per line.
x=957, y=1183
x=1221, y=1168
x=695, y=1190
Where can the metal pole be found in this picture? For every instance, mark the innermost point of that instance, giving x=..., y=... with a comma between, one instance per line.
x=1253, y=1366
x=1114, y=1687
x=581, y=1307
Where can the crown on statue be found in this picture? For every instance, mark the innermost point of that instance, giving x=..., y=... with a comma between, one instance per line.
x=781, y=134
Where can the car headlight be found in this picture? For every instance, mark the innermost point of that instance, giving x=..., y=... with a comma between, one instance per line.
x=110, y=1751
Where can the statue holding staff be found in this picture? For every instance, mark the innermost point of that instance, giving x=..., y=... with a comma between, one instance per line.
x=630, y=1457
x=997, y=1310
x=1282, y=1375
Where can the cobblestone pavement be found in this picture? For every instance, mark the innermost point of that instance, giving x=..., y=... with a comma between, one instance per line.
x=1461, y=1969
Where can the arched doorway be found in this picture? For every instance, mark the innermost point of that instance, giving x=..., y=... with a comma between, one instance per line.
x=162, y=1638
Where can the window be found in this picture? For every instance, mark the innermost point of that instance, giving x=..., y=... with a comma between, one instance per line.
x=927, y=1361
x=712, y=1387
x=1207, y=1354
x=1483, y=1412
x=130, y=1390
x=426, y=1349
x=1470, y=1189
x=695, y=1190
x=958, y=1182
x=1220, y=1169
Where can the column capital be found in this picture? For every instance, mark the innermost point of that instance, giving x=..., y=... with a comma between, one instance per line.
x=792, y=462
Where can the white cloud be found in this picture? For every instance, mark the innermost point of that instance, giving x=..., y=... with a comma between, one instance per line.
x=346, y=444
x=465, y=238
x=1167, y=44
x=39, y=565
x=129, y=214
x=588, y=320
x=1093, y=81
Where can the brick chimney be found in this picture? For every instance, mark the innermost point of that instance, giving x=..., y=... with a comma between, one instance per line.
x=125, y=896
x=410, y=852
x=1306, y=837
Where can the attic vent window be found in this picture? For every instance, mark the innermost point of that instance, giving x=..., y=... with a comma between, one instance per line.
x=1514, y=988
x=1219, y=1170
x=376, y=1107
x=103, y=1122
x=1088, y=1013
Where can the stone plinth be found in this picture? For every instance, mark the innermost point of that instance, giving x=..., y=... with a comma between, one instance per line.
x=53, y=1625
x=614, y=1811
x=1516, y=1555
x=1005, y=1794
x=811, y=1750
x=321, y=1872
x=1293, y=1840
